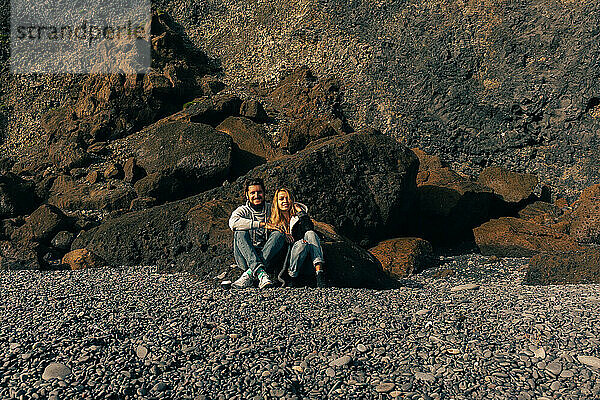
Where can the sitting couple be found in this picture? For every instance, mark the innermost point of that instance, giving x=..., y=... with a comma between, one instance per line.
x=261, y=230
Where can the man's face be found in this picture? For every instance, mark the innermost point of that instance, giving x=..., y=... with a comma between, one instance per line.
x=255, y=194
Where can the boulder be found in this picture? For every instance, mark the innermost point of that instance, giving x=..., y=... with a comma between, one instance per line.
x=300, y=94
x=512, y=187
x=252, y=146
x=210, y=110
x=426, y=163
x=117, y=198
x=450, y=206
x=67, y=194
x=18, y=256
x=160, y=187
x=312, y=104
x=571, y=267
x=16, y=196
x=133, y=172
x=82, y=259
x=253, y=110
x=41, y=225
x=363, y=185
x=514, y=237
x=541, y=213
x=348, y=265
x=63, y=240
x=195, y=154
x=584, y=220
x=67, y=155
x=297, y=135
x=111, y=106
x=401, y=257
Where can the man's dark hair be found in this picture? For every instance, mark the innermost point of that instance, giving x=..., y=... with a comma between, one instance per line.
x=254, y=181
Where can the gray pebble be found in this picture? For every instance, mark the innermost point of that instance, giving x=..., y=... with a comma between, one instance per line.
x=56, y=370
x=341, y=361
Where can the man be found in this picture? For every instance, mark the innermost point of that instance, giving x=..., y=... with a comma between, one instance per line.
x=253, y=247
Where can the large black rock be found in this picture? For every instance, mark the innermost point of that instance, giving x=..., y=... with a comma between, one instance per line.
x=363, y=185
x=195, y=154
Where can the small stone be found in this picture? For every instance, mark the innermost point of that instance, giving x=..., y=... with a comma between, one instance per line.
x=221, y=275
x=590, y=361
x=385, y=387
x=554, y=367
x=422, y=312
x=141, y=351
x=567, y=374
x=330, y=372
x=361, y=347
x=340, y=362
x=424, y=376
x=160, y=387
x=539, y=353
x=56, y=370
x=395, y=393
x=555, y=385
x=112, y=171
x=453, y=351
x=93, y=177
x=468, y=286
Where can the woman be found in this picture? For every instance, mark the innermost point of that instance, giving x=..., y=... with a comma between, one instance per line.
x=292, y=219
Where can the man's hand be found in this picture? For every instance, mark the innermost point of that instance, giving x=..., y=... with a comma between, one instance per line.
x=270, y=226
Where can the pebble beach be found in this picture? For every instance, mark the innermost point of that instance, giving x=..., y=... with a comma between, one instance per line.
x=467, y=329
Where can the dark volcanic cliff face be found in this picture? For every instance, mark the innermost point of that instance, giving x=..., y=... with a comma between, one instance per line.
x=503, y=82
x=494, y=82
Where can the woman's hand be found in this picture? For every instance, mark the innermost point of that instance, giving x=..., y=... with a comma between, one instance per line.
x=289, y=238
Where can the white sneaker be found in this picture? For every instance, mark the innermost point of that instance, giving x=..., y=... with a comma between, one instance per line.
x=244, y=281
x=264, y=282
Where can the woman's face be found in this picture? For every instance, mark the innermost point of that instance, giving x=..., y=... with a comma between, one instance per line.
x=283, y=201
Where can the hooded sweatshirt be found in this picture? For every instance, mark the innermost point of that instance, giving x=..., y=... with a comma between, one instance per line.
x=246, y=218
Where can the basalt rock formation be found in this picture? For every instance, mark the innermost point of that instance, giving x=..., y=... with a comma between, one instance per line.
x=145, y=169
x=361, y=184
x=508, y=83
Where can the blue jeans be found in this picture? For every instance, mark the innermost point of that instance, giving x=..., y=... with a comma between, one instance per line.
x=248, y=257
x=310, y=244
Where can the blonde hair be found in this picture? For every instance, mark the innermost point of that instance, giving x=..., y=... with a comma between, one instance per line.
x=277, y=217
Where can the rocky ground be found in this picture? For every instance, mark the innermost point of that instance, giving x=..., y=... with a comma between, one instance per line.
x=133, y=333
